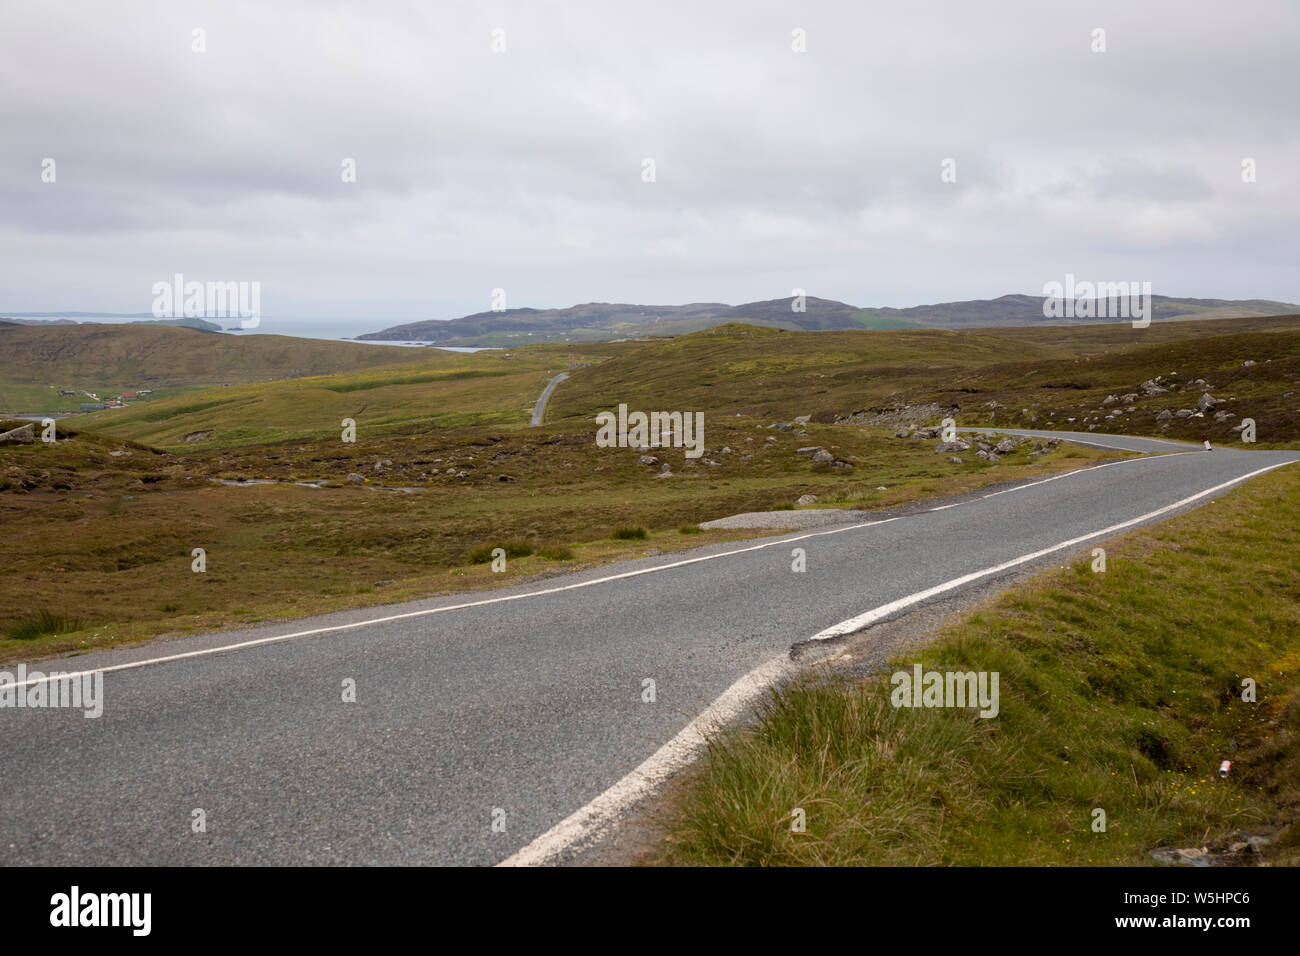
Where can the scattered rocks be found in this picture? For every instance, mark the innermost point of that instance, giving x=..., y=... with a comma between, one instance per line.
x=356, y=479
x=802, y=419
x=809, y=450
x=904, y=417
x=948, y=447
x=806, y=500
x=198, y=436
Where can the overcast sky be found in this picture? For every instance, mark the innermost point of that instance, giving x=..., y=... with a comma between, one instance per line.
x=523, y=169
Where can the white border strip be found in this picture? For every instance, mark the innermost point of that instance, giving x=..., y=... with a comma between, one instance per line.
x=876, y=614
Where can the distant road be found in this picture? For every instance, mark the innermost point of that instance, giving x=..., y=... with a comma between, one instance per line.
x=522, y=706
x=540, y=408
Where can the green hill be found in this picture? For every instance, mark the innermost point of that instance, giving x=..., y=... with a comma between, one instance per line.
x=39, y=361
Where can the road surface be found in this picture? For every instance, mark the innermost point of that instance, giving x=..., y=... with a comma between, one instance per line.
x=540, y=408
x=517, y=706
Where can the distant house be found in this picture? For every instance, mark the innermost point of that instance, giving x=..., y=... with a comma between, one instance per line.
x=145, y=391
x=129, y=396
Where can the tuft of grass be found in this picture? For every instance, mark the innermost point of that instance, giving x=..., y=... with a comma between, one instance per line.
x=556, y=552
x=690, y=529
x=630, y=534
x=42, y=623
x=514, y=548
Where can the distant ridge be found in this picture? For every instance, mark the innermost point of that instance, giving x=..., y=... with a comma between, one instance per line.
x=88, y=318
x=602, y=321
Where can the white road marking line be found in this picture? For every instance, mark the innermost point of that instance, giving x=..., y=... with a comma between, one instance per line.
x=311, y=632
x=588, y=823
x=593, y=820
x=258, y=642
x=878, y=613
x=1078, y=471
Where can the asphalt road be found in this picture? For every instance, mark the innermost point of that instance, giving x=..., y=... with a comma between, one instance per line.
x=526, y=706
x=540, y=408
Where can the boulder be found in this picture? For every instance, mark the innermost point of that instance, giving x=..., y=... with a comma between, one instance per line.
x=647, y=460
x=1005, y=446
x=806, y=500
x=1184, y=413
x=809, y=450
x=823, y=455
x=948, y=447
x=22, y=435
x=1206, y=403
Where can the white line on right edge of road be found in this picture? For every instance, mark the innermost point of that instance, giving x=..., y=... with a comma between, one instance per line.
x=601, y=813
x=879, y=613
x=277, y=638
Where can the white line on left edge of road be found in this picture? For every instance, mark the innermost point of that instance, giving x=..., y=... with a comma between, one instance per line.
x=258, y=642
x=311, y=632
x=595, y=818
x=600, y=814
